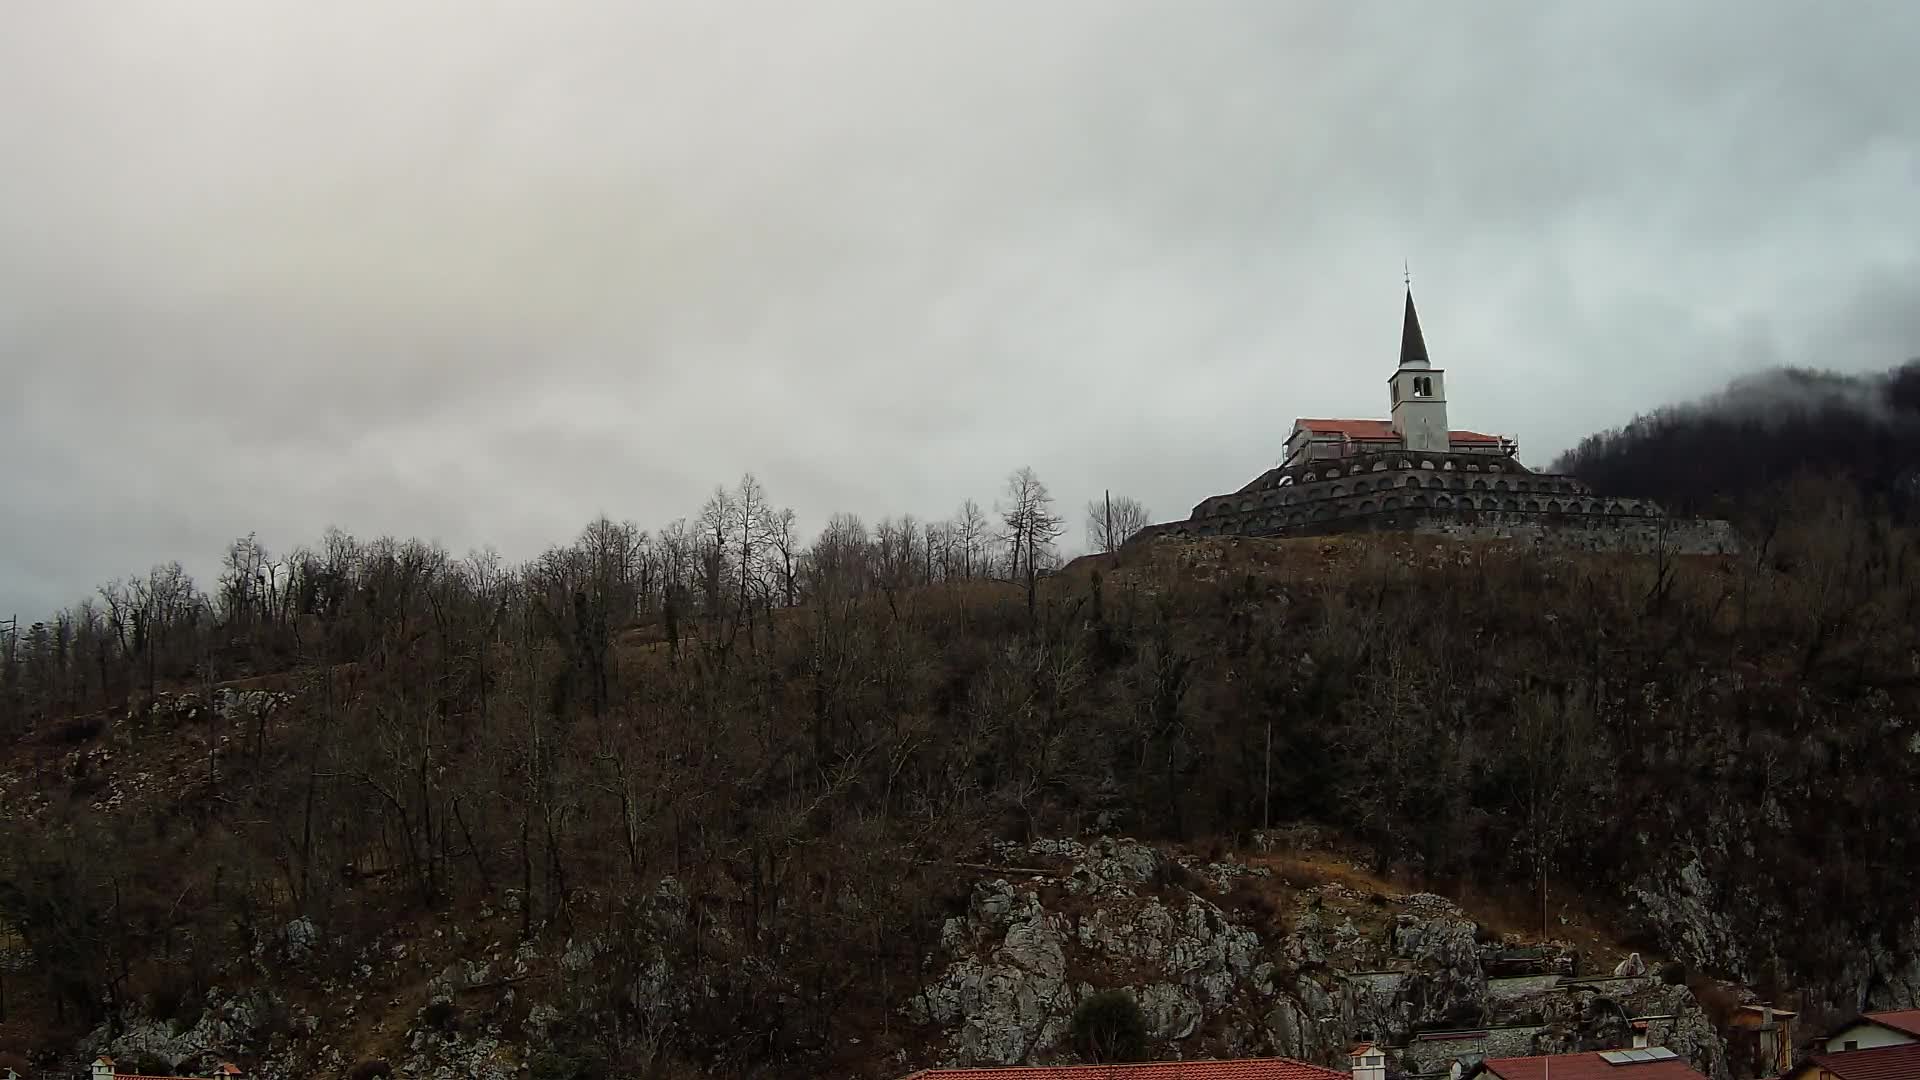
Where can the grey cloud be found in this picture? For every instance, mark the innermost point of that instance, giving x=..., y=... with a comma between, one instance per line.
x=478, y=271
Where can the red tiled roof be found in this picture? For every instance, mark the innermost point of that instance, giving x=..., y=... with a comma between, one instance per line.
x=1881, y=1063
x=1352, y=429
x=1382, y=429
x=1243, y=1069
x=225, y=1069
x=1907, y=1020
x=1589, y=1066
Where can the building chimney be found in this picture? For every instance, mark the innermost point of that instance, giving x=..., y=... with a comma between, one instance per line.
x=1369, y=1062
x=103, y=1068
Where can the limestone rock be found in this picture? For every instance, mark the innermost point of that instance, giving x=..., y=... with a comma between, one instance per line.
x=1691, y=917
x=451, y=1057
x=457, y=976
x=1113, y=866
x=1895, y=979
x=1449, y=985
x=1693, y=1036
x=1006, y=995
x=580, y=953
x=228, y=1026
x=1171, y=1011
x=1014, y=998
x=1291, y=1031
x=1195, y=944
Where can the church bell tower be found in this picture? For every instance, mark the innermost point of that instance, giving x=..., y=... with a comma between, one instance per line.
x=1419, y=391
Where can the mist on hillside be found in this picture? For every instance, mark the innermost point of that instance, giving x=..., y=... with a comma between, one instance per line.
x=1748, y=439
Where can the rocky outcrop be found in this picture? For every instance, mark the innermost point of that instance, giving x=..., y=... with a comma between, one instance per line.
x=226, y=1026
x=1221, y=959
x=1693, y=915
x=1006, y=990
x=1212, y=980
x=1017, y=967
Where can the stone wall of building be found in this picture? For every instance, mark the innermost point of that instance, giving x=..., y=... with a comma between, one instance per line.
x=1432, y=1054
x=1679, y=536
x=1457, y=495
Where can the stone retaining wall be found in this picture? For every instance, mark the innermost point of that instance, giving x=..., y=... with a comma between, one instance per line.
x=1558, y=531
x=1680, y=536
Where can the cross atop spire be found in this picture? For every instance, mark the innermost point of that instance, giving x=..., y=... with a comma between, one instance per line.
x=1413, y=345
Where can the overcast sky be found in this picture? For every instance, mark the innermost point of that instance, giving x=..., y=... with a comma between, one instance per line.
x=481, y=271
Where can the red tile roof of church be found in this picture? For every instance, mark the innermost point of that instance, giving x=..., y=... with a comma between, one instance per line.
x=1353, y=429
x=1382, y=429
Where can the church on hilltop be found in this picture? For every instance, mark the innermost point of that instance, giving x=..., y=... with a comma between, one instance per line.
x=1419, y=417
x=1414, y=472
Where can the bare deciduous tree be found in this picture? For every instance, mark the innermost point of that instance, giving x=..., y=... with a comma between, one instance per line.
x=1029, y=528
x=1112, y=521
x=970, y=537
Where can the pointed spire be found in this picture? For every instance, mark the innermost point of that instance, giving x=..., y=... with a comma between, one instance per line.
x=1413, y=345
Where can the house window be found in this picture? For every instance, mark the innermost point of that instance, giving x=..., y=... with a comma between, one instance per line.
x=1853, y=1044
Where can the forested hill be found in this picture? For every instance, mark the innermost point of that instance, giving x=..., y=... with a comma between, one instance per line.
x=594, y=818
x=1751, y=439
x=703, y=800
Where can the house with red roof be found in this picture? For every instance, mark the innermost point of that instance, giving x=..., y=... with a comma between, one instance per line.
x=1896, y=1062
x=1869, y=1031
x=105, y=1069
